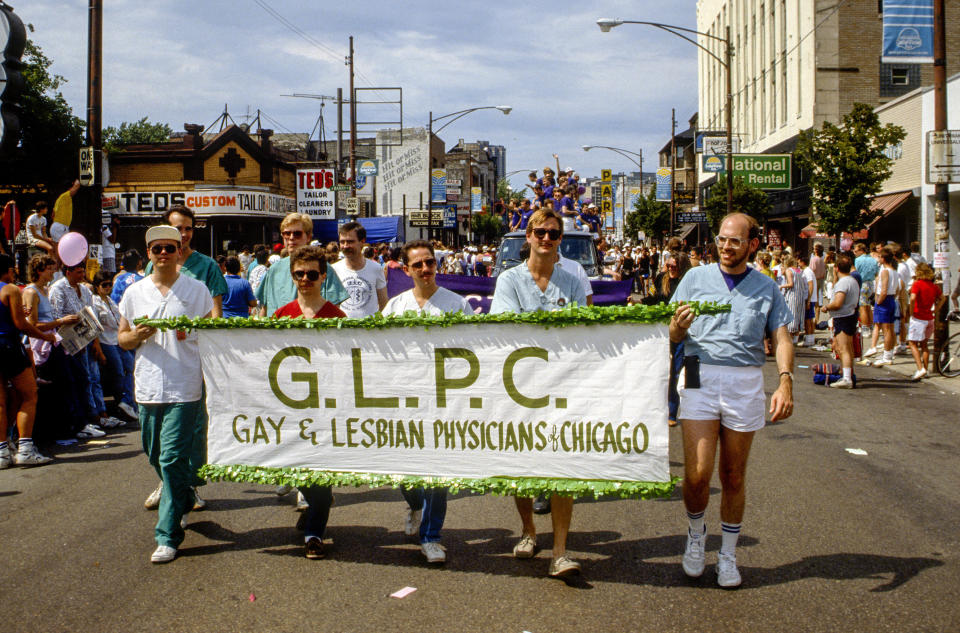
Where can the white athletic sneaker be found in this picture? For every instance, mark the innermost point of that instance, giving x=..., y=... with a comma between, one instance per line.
x=302, y=504
x=31, y=458
x=434, y=552
x=126, y=408
x=411, y=525
x=727, y=573
x=92, y=430
x=882, y=362
x=869, y=352
x=920, y=373
x=693, y=556
x=843, y=383
x=900, y=349
x=153, y=500
x=163, y=554
x=6, y=459
x=198, y=503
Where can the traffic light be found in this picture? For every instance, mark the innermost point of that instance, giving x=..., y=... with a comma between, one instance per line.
x=11, y=81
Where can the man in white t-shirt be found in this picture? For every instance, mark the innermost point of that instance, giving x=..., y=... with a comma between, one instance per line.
x=37, y=235
x=362, y=278
x=168, y=379
x=427, y=507
x=810, y=278
x=574, y=268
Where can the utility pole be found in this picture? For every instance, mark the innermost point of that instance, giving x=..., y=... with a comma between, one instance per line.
x=729, y=68
x=340, y=130
x=353, y=129
x=90, y=221
x=673, y=163
x=941, y=203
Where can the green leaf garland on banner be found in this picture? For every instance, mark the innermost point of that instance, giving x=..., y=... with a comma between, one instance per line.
x=516, y=486
x=574, y=315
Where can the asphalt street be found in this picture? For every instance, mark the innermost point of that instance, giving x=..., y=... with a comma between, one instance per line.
x=831, y=541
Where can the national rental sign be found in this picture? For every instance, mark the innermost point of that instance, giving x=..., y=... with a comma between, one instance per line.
x=764, y=171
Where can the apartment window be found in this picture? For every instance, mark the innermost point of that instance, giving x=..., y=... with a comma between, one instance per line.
x=898, y=79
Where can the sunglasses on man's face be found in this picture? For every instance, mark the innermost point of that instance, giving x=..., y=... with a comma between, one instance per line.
x=312, y=275
x=429, y=263
x=169, y=249
x=292, y=234
x=553, y=234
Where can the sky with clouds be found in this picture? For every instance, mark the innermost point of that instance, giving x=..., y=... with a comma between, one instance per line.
x=569, y=84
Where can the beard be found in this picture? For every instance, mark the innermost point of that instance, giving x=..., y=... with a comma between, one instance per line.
x=737, y=259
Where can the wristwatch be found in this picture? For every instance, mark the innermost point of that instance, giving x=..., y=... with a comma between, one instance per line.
x=788, y=373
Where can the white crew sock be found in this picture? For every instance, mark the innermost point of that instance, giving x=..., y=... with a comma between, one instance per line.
x=25, y=445
x=730, y=532
x=848, y=373
x=808, y=339
x=888, y=355
x=696, y=522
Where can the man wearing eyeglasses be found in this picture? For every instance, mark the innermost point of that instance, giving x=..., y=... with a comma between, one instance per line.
x=539, y=284
x=168, y=379
x=427, y=507
x=361, y=277
x=205, y=270
x=277, y=288
x=722, y=399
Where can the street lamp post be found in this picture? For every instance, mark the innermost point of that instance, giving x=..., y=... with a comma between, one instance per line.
x=455, y=115
x=623, y=183
x=606, y=24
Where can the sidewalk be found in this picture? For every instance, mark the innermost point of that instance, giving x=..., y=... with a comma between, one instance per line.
x=902, y=368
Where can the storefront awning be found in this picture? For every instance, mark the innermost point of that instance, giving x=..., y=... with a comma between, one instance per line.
x=883, y=206
x=686, y=229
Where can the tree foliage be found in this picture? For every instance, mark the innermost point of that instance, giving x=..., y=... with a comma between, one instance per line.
x=847, y=166
x=746, y=199
x=649, y=216
x=487, y=227
x=142, y=131
x=50, y=135
x=505, y=193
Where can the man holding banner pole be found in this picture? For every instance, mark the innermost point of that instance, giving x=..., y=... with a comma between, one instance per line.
x=722, y=399
x=427, y=506
x=539, y=284
x=168, y=380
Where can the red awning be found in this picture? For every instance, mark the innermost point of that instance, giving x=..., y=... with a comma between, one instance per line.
x=883, y=206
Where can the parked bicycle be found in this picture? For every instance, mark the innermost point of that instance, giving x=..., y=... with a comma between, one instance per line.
x=949, y=360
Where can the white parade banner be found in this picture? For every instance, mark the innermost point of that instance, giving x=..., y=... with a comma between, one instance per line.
x=464, y=402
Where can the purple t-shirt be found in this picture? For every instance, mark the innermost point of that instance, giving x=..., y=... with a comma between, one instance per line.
x=733, y=280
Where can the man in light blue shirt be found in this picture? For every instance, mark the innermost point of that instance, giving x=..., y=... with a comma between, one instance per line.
x=539, y=284
x=722, y=400
x=869, y=268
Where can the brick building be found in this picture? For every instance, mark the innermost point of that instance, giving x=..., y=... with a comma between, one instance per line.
x=796, y=64
x=240, y=188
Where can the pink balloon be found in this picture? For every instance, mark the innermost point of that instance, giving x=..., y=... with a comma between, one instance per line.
x=72, y=248
x=846, y=243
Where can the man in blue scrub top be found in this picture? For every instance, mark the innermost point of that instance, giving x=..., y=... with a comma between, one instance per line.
x=722, y=401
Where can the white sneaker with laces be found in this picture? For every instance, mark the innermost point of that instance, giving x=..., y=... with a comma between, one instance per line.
x=153, y=500
x=31, y=457
x=919, y=374
x=434, y=552
x=163, y=554
x=900, y=349
x=870, y=352
x=126, y=408
x=882, y=362
x=6, y=459
x=843, y=383
x=693, y=556
x=411, y=525
x=92, y=430
x=727, y=574
x=117, y=421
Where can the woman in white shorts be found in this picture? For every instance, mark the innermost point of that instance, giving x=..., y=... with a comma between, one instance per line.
x=925, y=300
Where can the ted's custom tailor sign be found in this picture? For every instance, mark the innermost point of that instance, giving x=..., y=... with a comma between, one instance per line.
x=467, y=401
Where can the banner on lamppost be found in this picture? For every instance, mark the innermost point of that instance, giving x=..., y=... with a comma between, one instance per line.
x=438, y=185
x=476, y=204
x=664, y=184
x=907, y=31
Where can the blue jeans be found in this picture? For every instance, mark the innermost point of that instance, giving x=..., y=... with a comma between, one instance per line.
x=433, y=502
x=319, y=499
x=79, y=385
x=676, y=364
x=114, y=375
x=129, y=358
x=94, y=389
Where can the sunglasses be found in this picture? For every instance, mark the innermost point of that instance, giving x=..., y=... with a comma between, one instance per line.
x=312, y=275
x=553, y=234
x=169, y=249
x=292, y=234
x=428, y=263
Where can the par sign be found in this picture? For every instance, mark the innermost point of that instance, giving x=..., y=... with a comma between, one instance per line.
x=315, y=194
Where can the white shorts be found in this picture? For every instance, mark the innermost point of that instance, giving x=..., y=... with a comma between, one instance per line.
x=920, y=330
x=733, y=395
x=58, y=230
